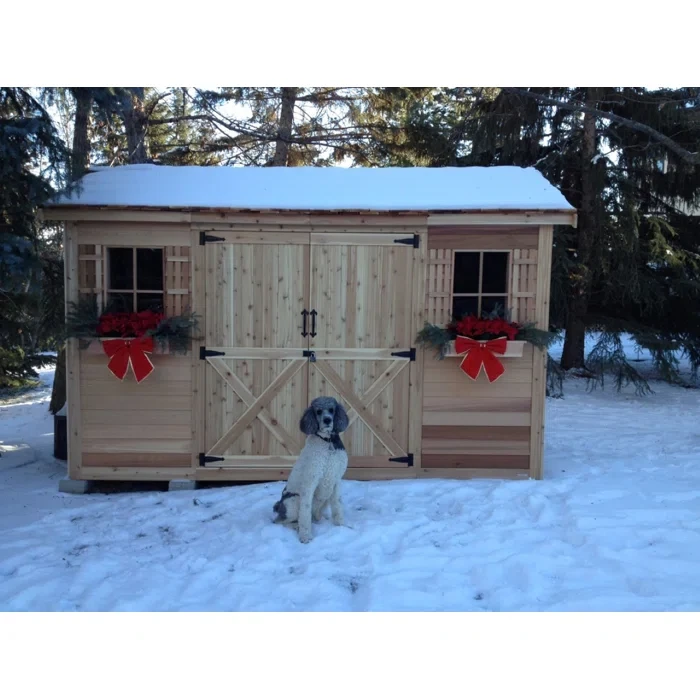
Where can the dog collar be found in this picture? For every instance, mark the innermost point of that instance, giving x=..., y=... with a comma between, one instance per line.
x=328, y=439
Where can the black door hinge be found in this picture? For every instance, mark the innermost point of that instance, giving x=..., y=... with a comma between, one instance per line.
x=407, y=460
x=205, y=237
x=414, y=240
x=410, y=354
x=206, y=459
x=204, y=353
x=310, y=354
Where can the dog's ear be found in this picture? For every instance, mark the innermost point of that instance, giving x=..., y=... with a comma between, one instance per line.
x=308, y=423
x=340, y=419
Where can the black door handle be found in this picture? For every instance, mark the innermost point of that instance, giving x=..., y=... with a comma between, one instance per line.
x=304, y=314
x=313, y=315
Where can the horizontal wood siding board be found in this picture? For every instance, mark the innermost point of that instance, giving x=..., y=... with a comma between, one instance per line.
x=112, y=473
x=148, y=402
x=134, y=446
x=479, y=390
x=450, y=368
x=446, y=384
x=515, y=418
x=484, y=229
x=129, y=389
x=477, y=447
x=167, y=473
x=214, y=219
x=482, y=238
x=488, y=461
x=480, y=433
x=134, y=235
x=491, y=405
x=459, y=473
x=126, y=433
x=137, y=417
x=502, y=217
x=142, y=460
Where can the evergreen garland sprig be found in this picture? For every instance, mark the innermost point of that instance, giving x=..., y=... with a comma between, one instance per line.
x=439, y=337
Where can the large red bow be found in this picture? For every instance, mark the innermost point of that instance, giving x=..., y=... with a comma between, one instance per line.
x=123, y=352
x=481, y=352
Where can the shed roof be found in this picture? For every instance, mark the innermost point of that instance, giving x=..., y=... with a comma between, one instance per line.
x=501, y=188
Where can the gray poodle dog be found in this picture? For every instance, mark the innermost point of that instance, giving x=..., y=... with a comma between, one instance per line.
x=314, y=481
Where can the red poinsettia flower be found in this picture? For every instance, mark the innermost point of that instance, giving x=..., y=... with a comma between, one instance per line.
x=484, y=328
x=128, y=325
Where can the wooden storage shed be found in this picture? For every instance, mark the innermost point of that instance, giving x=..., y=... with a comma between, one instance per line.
x=307, y=282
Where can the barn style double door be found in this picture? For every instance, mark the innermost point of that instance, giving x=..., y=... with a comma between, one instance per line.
x=300, y=315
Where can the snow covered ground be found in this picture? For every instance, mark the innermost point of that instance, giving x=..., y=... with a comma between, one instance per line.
x=615, y=526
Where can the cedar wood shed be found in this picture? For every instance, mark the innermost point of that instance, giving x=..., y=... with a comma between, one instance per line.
x=308, y=282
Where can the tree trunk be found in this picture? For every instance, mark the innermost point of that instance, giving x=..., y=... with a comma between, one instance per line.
x=58, y=394
x=286, y=124
x=79, y=162
x=80, y=156
x=573, y=353
x=135, y=124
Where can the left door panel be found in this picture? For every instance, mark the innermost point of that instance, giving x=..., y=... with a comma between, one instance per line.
x=256, y=372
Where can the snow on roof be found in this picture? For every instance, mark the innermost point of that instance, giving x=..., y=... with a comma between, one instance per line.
x=310, y=188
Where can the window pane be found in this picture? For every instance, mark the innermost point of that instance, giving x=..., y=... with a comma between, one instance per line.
x=489, y=304
x=120, y=303
x=121, y=268
x=495, y=274
x=464, y=306
x=149, y=302
x=149, y=268
x=466, y=273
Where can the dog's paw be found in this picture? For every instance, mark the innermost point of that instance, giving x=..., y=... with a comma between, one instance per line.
x=305, y=539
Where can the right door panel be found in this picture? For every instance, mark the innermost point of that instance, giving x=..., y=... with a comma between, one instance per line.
x=360, y=289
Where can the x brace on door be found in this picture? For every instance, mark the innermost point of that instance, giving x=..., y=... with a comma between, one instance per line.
x=358, y=405
x=256, y=407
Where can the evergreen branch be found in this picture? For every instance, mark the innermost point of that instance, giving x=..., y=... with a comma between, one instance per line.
x=688, y=156
x=555, y=378
x=608, y=357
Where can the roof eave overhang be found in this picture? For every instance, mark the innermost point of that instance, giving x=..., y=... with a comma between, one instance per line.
x=435, y=217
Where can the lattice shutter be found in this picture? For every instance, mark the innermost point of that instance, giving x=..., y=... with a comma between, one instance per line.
x=439, y=286
x=91, y=272
x=178, y=278
x=523, y=284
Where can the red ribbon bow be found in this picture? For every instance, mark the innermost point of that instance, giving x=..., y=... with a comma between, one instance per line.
x=123, y=352
x=481, y=353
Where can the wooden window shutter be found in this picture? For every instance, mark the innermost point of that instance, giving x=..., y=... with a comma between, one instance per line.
x=178, y=280
x=91, y=272
x=439, y=287
x=523, y=284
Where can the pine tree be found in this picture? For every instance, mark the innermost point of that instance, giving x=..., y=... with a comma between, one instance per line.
x=32, y=161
